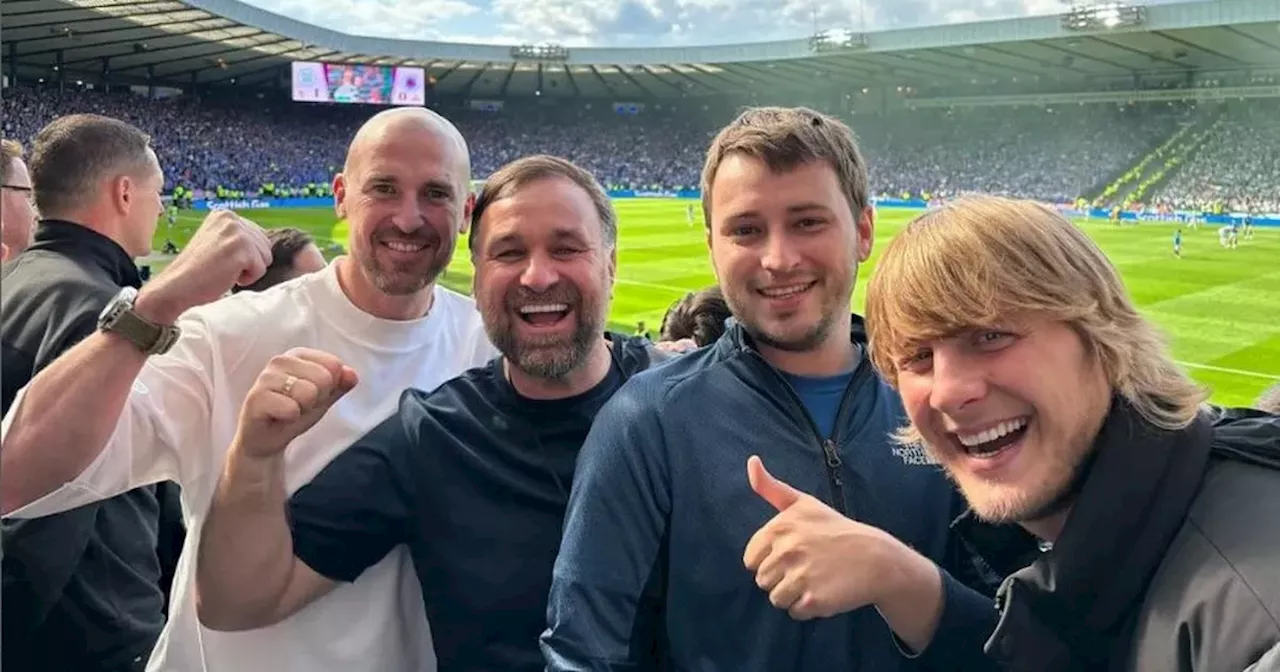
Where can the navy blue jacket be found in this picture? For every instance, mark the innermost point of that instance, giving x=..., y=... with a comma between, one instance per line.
x=650, y=573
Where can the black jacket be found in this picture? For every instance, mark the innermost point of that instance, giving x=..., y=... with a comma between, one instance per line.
x=85, y=589
x=1169, y=560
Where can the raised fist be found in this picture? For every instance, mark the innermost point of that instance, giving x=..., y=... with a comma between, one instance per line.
x=227, y=250
x=290, y=396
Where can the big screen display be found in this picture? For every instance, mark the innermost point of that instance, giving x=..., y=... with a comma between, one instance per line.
x=370, y=84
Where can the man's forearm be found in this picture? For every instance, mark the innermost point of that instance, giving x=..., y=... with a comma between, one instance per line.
x=246, y=550
x=915, y=601
x=66, y=416
x=935, y=618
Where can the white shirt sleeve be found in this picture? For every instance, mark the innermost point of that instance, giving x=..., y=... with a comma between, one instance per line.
x=163, y=431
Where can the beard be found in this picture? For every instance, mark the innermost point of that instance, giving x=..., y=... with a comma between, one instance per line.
x=786, y=333
x=550, y=356
x=404, y=277
x=805, y=342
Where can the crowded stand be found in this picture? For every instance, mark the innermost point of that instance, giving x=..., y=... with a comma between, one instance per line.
x=1241, y=166
x=1058, y=154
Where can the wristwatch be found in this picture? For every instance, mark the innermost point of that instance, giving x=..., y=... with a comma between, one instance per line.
x=120, y=318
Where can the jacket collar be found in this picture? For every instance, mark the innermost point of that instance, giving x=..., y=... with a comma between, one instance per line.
x=1070, y=608
x=736, y=338
x=84, y=244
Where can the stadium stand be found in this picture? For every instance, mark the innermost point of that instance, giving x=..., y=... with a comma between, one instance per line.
x=1058, y=108
x=1052, y=154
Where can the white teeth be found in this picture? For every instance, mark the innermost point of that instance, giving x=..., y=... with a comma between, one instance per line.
x=400, y=246
x=783, y=292
x=986, y=436
x=544, y=308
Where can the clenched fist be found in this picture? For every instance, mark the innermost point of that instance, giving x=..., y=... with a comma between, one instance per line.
x=227, y=250
x=290, y=396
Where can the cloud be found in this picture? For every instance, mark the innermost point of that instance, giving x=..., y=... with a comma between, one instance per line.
x=374, y=18
x=636, y=23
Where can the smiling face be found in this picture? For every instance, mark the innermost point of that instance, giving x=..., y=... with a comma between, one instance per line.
x=1009, y=335
x=1011, y=412
x=786, y=247
x=404, y=194
x=543, y=275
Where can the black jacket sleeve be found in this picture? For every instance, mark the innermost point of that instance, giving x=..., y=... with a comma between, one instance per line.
x=350, y=516
x=41, y=554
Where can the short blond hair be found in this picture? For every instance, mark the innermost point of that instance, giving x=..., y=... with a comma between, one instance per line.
x=982, y=259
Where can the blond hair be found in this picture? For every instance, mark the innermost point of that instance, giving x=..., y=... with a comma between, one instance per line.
x=787, y=137
x=981, y=260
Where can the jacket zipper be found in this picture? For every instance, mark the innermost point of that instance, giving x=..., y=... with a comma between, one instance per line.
x=829, y=445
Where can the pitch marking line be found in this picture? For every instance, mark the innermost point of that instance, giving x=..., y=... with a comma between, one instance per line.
x=1220, y=369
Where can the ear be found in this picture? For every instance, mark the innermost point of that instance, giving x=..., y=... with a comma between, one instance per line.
x=122, y=194
x=340, y=195
x=866, y=232
x=467, y=208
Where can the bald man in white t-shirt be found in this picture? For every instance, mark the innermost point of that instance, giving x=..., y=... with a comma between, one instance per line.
x=155, y=394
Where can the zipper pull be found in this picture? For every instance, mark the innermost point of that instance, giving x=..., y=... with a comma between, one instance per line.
x=833, y=457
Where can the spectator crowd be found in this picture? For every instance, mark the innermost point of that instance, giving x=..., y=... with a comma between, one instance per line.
x=1055, y=154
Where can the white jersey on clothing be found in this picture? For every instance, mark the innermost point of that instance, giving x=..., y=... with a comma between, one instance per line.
x=180, y=420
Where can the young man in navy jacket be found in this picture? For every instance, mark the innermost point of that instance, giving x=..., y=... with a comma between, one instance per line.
x=681, y=551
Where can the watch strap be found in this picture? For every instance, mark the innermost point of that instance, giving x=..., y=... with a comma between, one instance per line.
x=151, y=338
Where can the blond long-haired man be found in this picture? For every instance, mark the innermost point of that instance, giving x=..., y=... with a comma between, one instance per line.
x=1029, y=374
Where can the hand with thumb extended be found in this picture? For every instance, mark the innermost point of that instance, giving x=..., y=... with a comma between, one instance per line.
x=810, y=560
x=779, y=495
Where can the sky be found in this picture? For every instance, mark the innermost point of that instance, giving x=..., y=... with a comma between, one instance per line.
x=637, y=23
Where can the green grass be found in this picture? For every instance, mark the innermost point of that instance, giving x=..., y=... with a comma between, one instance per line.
x=1220, y=307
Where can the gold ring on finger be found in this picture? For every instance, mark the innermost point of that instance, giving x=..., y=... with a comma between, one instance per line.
x=289, y=382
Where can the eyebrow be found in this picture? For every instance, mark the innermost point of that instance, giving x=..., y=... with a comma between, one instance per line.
x=806, y=207
x=433, y=183
x=791, y=209
x=557, y=235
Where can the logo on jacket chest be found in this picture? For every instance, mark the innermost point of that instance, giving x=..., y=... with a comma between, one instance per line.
x=914, y=456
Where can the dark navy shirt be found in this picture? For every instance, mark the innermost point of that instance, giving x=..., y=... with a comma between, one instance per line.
x=475, y=480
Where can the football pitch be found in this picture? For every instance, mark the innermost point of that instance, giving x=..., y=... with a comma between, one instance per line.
x=1219, y=307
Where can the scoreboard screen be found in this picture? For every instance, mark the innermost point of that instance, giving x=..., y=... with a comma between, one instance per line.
x=369, y=84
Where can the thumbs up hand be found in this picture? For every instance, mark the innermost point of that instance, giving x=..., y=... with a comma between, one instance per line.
x=811, y=560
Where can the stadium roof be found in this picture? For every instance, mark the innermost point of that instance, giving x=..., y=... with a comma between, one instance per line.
x=177, y=42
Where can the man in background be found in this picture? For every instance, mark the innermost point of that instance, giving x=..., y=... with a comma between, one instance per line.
x=83, y=589
x=698, y=316
x=293, y=253
x=129, y=406
x=17, y=205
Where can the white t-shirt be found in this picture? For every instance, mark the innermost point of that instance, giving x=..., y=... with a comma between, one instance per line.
x=180, y=420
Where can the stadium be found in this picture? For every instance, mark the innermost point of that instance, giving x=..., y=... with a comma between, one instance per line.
x=1155, y=117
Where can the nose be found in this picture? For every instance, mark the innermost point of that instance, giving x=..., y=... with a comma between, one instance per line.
x=957, y=381
x=409, y=217
x=540, y=274
x=780, y=254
